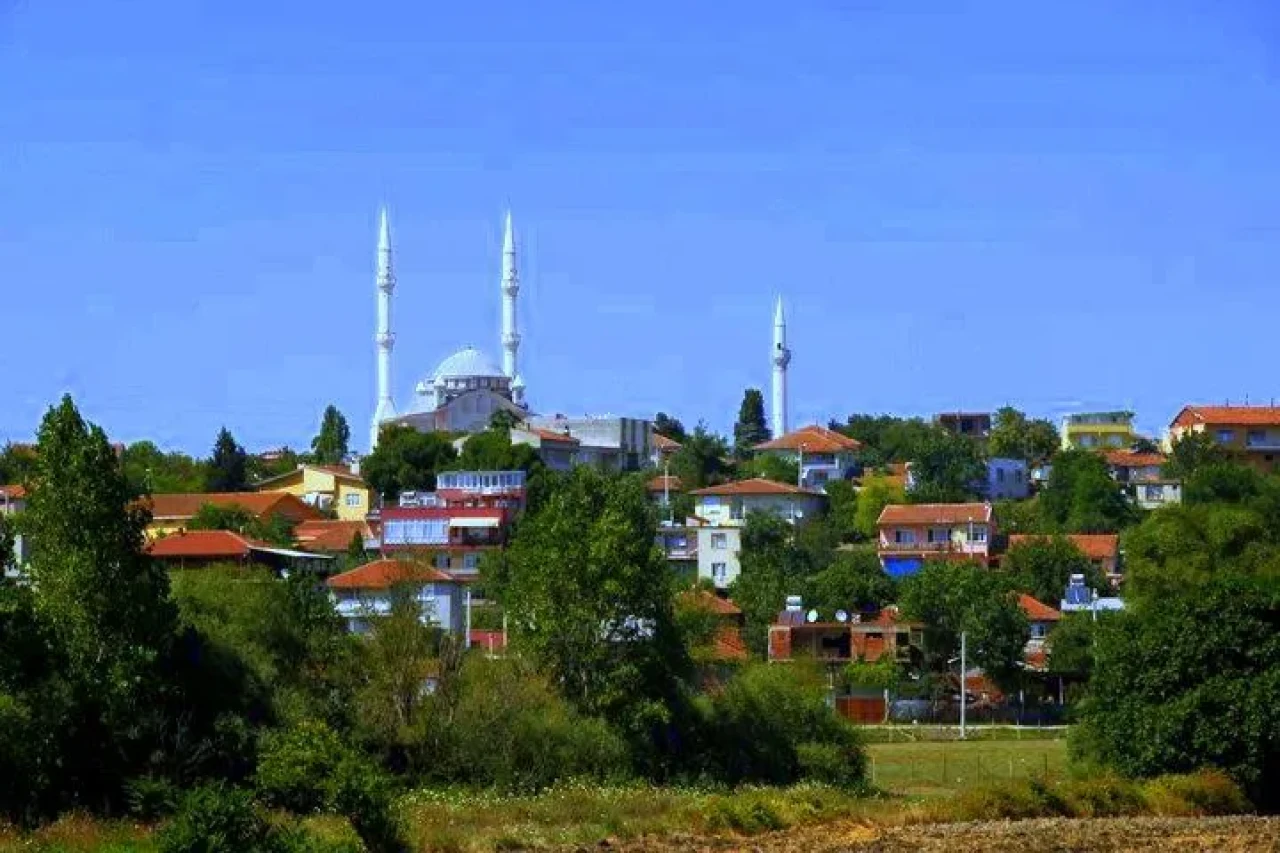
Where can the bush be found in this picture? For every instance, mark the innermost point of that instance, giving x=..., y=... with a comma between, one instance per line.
x=1206, y=793
x=217, y=819
x=151, y=798
x=296, y=767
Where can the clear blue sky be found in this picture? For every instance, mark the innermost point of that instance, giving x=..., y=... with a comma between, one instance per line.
x=964, y=205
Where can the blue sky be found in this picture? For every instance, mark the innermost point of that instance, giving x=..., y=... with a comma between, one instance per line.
x=964, y=204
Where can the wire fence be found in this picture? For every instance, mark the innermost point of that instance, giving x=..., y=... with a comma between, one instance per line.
x=949, y=765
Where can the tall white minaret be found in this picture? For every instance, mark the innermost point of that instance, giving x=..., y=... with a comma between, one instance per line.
x=781, y=358
x=385, y=340
x=510, y=287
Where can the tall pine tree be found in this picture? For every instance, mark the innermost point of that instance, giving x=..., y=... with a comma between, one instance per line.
x=751, y=428
x=330, y=447
x=227, y=470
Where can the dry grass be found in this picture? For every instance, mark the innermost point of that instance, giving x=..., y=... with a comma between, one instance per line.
x=75, y=833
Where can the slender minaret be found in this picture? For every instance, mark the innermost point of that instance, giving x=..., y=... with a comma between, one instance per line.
x=385, y=340
x=510, y=287
x=781, y=358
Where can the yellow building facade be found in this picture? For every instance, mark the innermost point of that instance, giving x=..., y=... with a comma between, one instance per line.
x=326, y=487
x=1098, y=431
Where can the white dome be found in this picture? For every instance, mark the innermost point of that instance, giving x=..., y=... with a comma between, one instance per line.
x=465, y=364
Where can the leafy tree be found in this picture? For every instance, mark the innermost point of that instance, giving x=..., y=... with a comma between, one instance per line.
x=276, y=529
x=150, y=470
x=1222, y=482
x=946, y=469
x=1014, y=436
x=1142, y=444
x=17, y=463
x=666, y=425
x=854, y=581
x=228, y=471
x=1022, y=517
x=842, y=510
x=1082, y=497
x=1041, y=567
x=1071, y=644
x=589, y=597
x=773, y=567
x=1190, y=681
x=504, y=420
x=492, y=450
x=950, y=598
x=876, y=494
x=355, y=549
x=887, y=439
x=330, y=446
x=771, y=467
x=1190, y=452
x=751, y=428
x=406, y=460
x=700, y=461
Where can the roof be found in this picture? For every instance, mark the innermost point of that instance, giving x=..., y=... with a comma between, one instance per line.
x=187, y=504
x=1095, y=546
x=487, y=639
x=812, y=439
x=342, y=471
x=14, y=492
x=728, y=644
x=330, y=534
x=204, y=544
x=466, y=363
x=755, y=486
x=662, y=482
x=550, y=435
x=1228, y=416
x=935, y=513
x=721, y=606
x=1129, y=459
x=1036, y=610
x=663, y=444
x=382, y=574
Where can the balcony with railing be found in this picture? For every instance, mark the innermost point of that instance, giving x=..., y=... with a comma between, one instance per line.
x=949, y=547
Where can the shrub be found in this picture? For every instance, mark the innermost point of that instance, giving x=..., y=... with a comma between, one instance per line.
x=296, y=767
x=217, y=819
x=364, y=794
x=1206, y=793
x=151, y=798
x=1104, y=795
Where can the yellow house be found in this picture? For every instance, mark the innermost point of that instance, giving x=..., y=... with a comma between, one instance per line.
x=1098, y=431
x=326, y=487
x=1250, y=433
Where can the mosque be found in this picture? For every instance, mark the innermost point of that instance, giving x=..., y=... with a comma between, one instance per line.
x=464, y=392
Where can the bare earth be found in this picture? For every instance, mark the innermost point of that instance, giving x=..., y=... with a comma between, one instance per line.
x=1049, y=835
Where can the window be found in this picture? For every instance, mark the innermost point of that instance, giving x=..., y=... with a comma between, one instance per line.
x=353, y=499
x=939, y=534
x=441, y=560
x=471, y=562
x=719, y=574
x=736, y=509
x=978, y=534
x=1226, y=436
x=999, y=475
x=1153, y=494
x=1257, y=437
x=1037, y=630
x=904, y=537
x=719, y=541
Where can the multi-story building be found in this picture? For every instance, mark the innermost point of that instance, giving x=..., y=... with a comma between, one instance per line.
x=469, y=513
x=614, y=444
x=1252, y=433
x=910, y=534
x=557, y=449
x=335, y=488
x=1143, y=477
x=821, y=454
x=971, y=424
x=679, y=544
x=798, y=633
x=368, y=592
x=1098, y=431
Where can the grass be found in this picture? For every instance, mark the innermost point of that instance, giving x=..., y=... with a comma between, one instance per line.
x=932, y=768
x=895, y=733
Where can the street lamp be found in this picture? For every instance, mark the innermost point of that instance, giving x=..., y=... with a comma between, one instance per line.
x=964, y=687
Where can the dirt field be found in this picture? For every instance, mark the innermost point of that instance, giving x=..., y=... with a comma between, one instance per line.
x=1219, y=835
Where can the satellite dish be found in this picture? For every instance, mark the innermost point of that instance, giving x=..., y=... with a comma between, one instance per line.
x=841, y=616
x=811, y=616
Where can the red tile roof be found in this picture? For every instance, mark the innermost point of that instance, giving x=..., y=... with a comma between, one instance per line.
x=13, y=493
x=729, y=644
x=381, y=574
x=935, y=514
x=551, y=435
x=329, y=534
x=1095, y=546
x=812, y=439
x=1228, y=416
x=755, y=486
x=185, y=505
x=204, y=545
x=713, y=602
x=488, y=640
x=1036, y=610
x=663, y=444
x=663, y=482
x=1129, y=459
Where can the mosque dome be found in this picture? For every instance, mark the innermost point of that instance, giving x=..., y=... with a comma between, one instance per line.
x=466, y=363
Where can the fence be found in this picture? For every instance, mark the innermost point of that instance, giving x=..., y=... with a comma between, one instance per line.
x=908, y=767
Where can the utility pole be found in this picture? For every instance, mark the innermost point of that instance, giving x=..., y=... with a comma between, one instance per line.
x=666, y=490
x=964, y=693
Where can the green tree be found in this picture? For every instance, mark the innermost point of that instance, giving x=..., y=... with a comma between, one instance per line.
x=751, y=427
x=398, y=655
x=1071, y=644
x=1082, y=497
x=264, y=466
x=330, y=446
x=1178, y=545
x=275, y=529
x=228, y=467
x=771, y=467
x=773, y=567
x=1191, y=451
x=950, y=598
x=666, y=425
x=406, y=460
x=150, y=470
x=1190, y=681
x=17, y=463
x=854, y=582
x=842, y=509
x=504, y=420
x=876, y=494
x=700, y=461
x=947, y=469
x=1022, y=517
x=887, y=439
x=1015, y=436
x=1041, y=568
x=492, y=450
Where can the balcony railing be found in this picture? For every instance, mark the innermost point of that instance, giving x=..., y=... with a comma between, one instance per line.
x=975, y=547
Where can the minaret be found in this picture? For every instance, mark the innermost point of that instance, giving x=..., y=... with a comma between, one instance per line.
x=510, y=287
x=385, y=340
x=781, y=358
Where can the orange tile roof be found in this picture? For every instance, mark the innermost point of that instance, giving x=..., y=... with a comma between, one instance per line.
x=663, y=444
x=13, y=493
x=382, y=574
x=342, y=471
x=329, y=534
x=755, y=486
x=721, y=606
x=935, y=514
x=187, y=504
x=729, y=644
x=1129, y=459
x=812, y=439
x=662, y=482
x=550, y=435
x=1228, y=416
x=204, y=544
x=1095, y=546
x=1036, y=610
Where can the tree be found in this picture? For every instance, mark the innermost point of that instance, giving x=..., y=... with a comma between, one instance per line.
x=150, y=470
x=854, y=582
x=275, y=529
x=700, y=461
x=771, y=467
x=773, y=567
x=398, y=656
x=887, y=439
x=1042, y=566
x=950, y=598
x=1014, y=436
x=264, y=466
x=330, y=446
x=876, y=494
x=666, y=425
x=1071, y=644
x=1190, y=681
x=751, y=427
x=492, y=450
x=504, y=420
x=406, y=460
x=1142, y=444
x=17, y=463
x=227, y=470
x=842, y=509
x=1082, y=497
x=947, y=469
x=1190, y=452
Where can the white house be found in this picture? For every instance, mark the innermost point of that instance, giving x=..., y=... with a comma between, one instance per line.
x=12, y=500
x=821, y=454
x=367, y=592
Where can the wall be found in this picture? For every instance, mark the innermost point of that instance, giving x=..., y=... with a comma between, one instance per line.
x=708, y=555
x=721, y=509
x=443, y=605
x=1007, y=479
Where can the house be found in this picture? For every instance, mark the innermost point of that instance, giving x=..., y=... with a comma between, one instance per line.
x=557, y=449
x=1006, y=479
x=1040, y=617
x=335, y=488
x=334, y=536
x=726, y=644
x=191, y=549
x=1251, y=433
x=662, y=487
x=1102, y=549
x=679, y=544
x=1098, y=431
x=910, y=534
x=469, y=513
x=970, y=424
x=1142, y=474
x=821, y=454
x=663, y=449
x=13, y=499
x=1078, y=598
x=865, y=637
x=610, y=443
x=367, y=592
x=170, y=513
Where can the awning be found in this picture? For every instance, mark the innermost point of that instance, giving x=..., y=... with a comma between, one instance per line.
x=474, y=522
x=288, y=552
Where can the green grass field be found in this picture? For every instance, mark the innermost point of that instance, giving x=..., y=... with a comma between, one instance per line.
x=941, y=767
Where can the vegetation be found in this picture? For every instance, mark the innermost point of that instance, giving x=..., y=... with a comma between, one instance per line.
x=275, y=529
x=701, y=460
x=1015, y=436
x=331, y=444
x=227, y=470
x=406, y=460
x=946, y=468
x=1042, y=567
x=668, y=426
x=17, y=463
x=1082, y=497
x=150, y=470
x=751, y=428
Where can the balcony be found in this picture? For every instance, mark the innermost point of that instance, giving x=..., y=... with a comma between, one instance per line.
x=975, y=547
